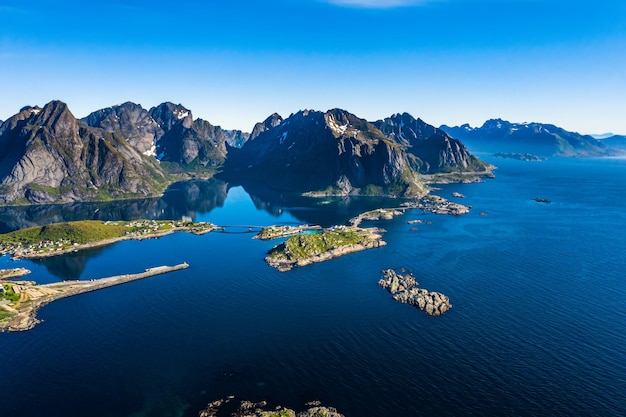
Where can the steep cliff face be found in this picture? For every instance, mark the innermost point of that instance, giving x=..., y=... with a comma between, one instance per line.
x=132, y=122
x=430, y=150
x=46, y=155
x=274, y=120
x=189, y=143
x=499, y=135
x=334, y=151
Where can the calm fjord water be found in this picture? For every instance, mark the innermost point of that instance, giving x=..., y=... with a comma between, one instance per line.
x=537, y=326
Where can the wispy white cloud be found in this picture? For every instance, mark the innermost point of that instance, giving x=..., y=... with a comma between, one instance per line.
x=377, y=4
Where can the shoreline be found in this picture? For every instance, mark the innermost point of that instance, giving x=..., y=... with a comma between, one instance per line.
x=33, y=297
x=285, y=262
x=17, y=253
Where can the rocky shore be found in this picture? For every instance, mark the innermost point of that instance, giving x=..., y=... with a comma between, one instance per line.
x=301, y=250
x=32, y=297
x=438, y=205
x=374, y=215
x=13, y=273
x=274, y=232
x=519, y=156
x=261, y=409
x=404, y=288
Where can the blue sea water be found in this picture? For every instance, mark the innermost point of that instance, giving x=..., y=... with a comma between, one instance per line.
x=538, y=324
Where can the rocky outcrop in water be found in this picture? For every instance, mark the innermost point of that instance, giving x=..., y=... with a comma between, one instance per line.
x=404, y=288
x=261, y=409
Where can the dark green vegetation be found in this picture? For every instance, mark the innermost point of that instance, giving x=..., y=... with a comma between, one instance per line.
x=4, y=314
x=57, y=237
x=307, y=245
x=8, y=293
x=80, y=232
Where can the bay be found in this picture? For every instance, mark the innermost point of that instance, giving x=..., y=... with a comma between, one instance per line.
x=536, y=328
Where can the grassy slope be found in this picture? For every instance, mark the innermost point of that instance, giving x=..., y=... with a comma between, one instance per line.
x=80, y=232
x=307, y=245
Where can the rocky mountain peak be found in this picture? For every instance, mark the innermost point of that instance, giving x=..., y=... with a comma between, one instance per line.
x=46, y=155
x=130, y=121
x=169, y=114
x=431, y=150
x=272, y=121
x=313, y=150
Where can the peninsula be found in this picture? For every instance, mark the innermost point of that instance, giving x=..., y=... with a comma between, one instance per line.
x=305, y=249
x=61, y=238
x=19, y=301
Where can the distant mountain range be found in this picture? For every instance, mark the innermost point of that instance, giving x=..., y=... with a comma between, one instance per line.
x=499, y=135
x=126, y=151
x=615, y=141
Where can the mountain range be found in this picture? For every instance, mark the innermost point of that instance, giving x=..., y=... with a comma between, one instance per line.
x=497, y=135
x=615, y=141
x=125, y=151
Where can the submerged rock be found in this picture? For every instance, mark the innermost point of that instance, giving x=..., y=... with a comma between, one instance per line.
x=261, y=409
x=404, y=288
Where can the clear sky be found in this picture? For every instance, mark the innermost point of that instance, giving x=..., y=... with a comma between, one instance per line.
x=235, y=62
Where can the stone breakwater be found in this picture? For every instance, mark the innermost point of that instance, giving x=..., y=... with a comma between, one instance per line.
x=404, y=288
x=33, y=297
x=261, y=409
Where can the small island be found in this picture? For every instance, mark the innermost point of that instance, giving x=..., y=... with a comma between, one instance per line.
x=273, y=232
x=519, y=156
x=261, y=409
x=61, y=238
x=404, y=288
x=377, y=214
x=13, y=273
x=20, y=301
x=305, y=249
x=438, y=205
x=542, y=200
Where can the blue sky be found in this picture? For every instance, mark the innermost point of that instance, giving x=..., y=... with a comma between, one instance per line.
x=235, y=62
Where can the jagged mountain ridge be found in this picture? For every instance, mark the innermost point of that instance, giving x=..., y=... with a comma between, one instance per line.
x=334, y=151
x=431, y=150
x=131, y=121
x=47, y=155
x=497, y=135
x=169, y=132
